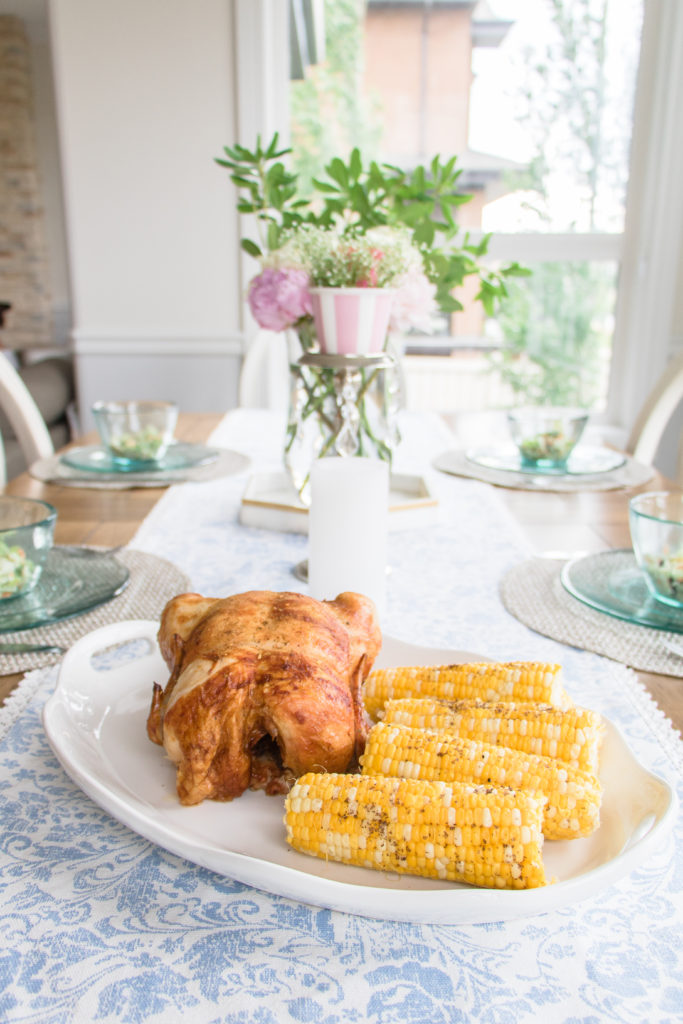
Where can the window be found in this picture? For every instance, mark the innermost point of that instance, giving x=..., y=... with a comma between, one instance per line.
x=535, y=97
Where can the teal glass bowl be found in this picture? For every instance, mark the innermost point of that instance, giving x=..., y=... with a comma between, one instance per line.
x=136, y=433
x=546, y=435
x=27, y=529
x=656, y=523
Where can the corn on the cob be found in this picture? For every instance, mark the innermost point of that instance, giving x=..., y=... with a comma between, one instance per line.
x=573, y=807
x=514, y=681
x=482, y=835
x=572, y=735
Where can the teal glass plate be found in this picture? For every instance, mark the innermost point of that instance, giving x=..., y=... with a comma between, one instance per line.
x=584, y=461
x=73, y=581
x=611, y=582
x=96, y=459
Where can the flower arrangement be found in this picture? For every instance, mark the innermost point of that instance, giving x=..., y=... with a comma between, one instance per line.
x=314, y=256
x=373, y=226
x=364, y=227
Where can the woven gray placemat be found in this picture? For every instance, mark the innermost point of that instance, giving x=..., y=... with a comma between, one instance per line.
x=52, y=470
x=534, y=594
x=153, y=581
x=631, y=474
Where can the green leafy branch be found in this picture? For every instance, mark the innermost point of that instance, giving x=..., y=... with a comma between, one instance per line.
x=355, y=198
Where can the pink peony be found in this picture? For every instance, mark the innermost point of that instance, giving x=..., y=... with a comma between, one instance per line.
x=278, y=298
x=414, y=303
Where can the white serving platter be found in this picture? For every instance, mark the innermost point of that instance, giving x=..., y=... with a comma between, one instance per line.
x=95, y=722
x=270, y=502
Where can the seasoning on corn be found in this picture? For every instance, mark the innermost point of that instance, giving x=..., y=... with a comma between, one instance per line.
x=482, y=835
x=573, y=807
x=572, y=734
x=514, y=681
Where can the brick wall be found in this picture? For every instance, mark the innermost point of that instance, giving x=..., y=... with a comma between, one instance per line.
x=24, y=280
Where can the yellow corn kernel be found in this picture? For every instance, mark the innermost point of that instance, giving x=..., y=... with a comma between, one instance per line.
x=574, y=796
x=482, y=835
x=519, y=681
x=572, y=734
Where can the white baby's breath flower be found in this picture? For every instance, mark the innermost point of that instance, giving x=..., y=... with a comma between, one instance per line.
x=376, y=259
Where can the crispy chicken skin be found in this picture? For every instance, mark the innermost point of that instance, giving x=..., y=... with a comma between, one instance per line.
x=264, y=687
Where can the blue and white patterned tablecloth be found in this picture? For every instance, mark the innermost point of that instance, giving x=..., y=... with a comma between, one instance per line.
x=99, y=925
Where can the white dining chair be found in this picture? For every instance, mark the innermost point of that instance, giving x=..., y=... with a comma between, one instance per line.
x=264, y=377
x=655, y=415
x=23, y=414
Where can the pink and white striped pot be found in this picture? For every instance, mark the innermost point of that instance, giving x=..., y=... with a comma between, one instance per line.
x=351, y=321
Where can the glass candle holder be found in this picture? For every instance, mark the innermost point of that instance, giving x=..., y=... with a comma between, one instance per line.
x=340, y=406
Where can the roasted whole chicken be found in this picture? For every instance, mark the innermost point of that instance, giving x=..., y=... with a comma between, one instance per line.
x=264, y=687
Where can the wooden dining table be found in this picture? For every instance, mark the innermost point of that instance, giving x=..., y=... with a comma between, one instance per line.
x=559, y=524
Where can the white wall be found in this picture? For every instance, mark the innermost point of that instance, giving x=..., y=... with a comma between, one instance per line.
x=145, y=101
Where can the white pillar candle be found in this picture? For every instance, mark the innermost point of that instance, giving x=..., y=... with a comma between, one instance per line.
x=347, y=528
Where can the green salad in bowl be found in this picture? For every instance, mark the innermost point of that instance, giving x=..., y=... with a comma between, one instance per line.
x=553, y=444
x=546, y=436
x=656, y=523
x=16, y=569
x=139, y=445
x=136, y=431
x=26, y=535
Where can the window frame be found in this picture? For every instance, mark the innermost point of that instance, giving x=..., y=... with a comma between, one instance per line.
x=650, y=249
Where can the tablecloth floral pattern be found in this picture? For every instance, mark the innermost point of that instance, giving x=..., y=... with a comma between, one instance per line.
x=100, y=925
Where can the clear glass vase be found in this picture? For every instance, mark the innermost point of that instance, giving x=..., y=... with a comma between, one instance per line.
x=343, y=406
